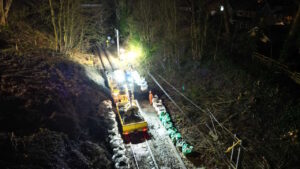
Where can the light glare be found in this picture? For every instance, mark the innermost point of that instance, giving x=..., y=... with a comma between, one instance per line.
x=119, y=76
x=221, y=8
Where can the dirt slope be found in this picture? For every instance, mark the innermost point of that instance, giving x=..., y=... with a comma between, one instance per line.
x=50, y=115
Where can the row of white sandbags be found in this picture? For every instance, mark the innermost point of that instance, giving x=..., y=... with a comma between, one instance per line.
x=115, y=140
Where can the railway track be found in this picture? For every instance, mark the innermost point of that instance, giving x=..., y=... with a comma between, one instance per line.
x=104, y=51
x=105, y=61
x=104, y=58
x=142, y=154
x=138, y=148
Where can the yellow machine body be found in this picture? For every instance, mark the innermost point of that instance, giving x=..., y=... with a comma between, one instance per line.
x=120, y=95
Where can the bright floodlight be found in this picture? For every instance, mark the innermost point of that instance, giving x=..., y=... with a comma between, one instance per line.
x=135, y=51
x=132, y=55
x=119, y=76
x=221, y=8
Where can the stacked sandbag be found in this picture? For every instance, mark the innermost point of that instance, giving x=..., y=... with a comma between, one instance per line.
x=115, y=140
x=173, y=133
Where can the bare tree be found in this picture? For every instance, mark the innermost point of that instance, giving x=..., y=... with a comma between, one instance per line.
x=291, y=37
x=60, y=31
x=54, y=24
x=226, y=18
x=67, y=30
x=295, y=23
x=4, y=9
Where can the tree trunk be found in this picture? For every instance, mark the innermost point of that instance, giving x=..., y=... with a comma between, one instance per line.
x=295, y=23
x=7, y=7
x=59, y=25
x=65, y=27
x=176, y=52
x=291, y=38
x=81, y=39
x=203, y=37
x=2, y=19
x=4, y=11
x=226, y=18
x=54, y=24
x=193, y=42
x=72, y=25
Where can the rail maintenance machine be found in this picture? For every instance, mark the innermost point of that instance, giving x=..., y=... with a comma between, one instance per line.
x=128, y=112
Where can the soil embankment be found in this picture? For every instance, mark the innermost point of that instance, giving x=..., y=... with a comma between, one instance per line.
x=50, y=114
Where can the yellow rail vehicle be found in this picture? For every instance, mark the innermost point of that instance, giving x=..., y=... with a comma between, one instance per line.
x=119, y=92
x=120, y=95
x=130, y=118
x=127, y=110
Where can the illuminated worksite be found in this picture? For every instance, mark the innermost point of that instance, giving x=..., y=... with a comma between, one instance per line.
x=149, y=84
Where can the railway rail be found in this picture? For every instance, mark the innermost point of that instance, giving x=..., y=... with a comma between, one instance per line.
x=142, y=155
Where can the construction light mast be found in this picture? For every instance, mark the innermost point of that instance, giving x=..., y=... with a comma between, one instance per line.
x=118, y=44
